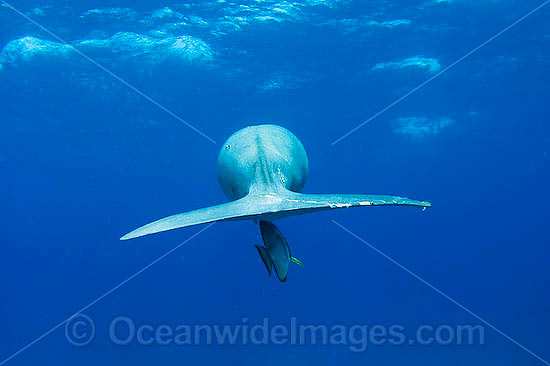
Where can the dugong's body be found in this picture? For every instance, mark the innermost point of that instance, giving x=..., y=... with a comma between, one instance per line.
x=262, y=159
x=262, y=170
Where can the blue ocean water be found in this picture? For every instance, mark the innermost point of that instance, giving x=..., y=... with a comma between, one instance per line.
x=85, y=158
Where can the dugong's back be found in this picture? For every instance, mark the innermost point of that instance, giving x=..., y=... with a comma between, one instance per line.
x=262, y=169
x=262, y=158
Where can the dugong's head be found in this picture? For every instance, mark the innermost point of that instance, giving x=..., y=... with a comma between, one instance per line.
x=265, y=156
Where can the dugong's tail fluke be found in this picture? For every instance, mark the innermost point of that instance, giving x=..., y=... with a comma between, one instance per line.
x=269, y=207
x=234, y=210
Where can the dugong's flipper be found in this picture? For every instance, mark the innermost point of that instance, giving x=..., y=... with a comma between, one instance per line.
x=269, y=207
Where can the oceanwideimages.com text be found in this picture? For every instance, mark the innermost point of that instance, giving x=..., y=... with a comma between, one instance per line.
x=81, y=330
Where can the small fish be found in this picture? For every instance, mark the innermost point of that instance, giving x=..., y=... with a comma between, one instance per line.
x=276, y=252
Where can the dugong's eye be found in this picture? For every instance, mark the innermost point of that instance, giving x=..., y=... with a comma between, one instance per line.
x=228, y=146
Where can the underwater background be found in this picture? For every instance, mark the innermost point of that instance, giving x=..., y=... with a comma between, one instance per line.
x=84, y=159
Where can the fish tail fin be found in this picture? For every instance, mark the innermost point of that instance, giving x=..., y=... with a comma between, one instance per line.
x=297, y=261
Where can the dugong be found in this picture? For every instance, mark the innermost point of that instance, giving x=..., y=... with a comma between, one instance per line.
x=262, y=170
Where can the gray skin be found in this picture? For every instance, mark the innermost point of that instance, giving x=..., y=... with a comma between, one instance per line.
x=262, y=169
x=265, y=159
